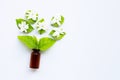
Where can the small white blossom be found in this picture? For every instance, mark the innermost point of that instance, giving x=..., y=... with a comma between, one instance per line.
x=56, y=19
x=23, y=27
x=58, y=32
x=41, y=25
x=30, y=15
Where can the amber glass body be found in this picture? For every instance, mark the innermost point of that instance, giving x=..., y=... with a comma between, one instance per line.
x=35, y=59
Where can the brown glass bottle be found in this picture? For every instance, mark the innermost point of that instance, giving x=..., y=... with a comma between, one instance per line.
x=35, y=59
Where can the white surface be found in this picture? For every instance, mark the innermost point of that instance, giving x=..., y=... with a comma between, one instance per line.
x=89, y=51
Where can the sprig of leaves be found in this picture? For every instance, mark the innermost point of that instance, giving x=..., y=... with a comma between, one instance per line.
x=32, y=19
x=33, y=43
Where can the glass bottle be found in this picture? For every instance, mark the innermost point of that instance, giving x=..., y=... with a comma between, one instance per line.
x=35, y=59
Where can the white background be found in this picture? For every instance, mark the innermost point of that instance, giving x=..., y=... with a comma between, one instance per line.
x=89, y=51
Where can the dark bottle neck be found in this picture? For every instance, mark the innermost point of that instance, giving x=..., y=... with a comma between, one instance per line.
x=35, y=50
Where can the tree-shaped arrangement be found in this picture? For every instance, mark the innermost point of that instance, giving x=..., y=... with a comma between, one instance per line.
x=32, y=22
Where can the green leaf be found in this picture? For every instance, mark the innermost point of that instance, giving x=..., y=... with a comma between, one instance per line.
x=41, y=31
x=60, y=36
x=19, y=21
x=62, y=20
x=55, y=25
x=45, y=43
x=41, y=20
x=36, y=42
x=31, y=21
x=30, y=41
x=30, y=28
x=51, y=32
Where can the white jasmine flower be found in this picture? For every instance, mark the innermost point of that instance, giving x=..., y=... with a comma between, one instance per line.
x=41, y=25
x=56, y=19
x=30, y=15
x=23, y=27
x=58, y=32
